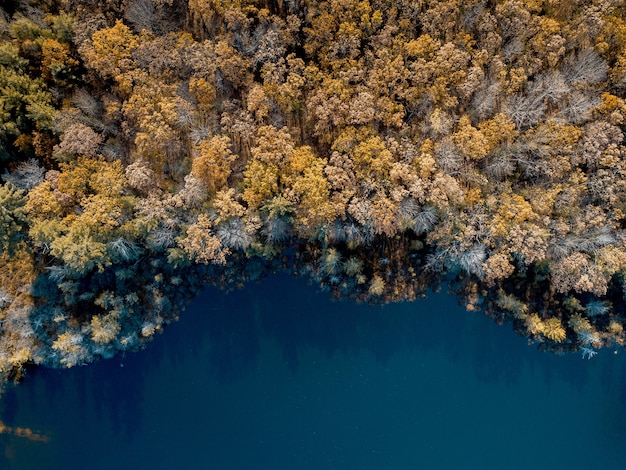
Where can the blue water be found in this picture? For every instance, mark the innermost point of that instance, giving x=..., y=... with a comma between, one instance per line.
x=276, y=376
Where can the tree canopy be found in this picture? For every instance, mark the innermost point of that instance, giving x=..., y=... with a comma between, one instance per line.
x=149, y=147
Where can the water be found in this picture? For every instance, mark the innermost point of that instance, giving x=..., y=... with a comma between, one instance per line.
x=277, y=376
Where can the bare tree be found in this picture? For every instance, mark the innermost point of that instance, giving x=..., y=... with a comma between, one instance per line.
x=89, y=105
x=529, y=108
x=27, y=175
x=234, y=234
x=500, y=166
x=448, y=157
x=141, y=14
x=585, y=68
x=525, y=110
x=576, y=108
x=485, y=100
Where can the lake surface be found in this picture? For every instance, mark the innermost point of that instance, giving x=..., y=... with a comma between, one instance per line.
x=277, y=376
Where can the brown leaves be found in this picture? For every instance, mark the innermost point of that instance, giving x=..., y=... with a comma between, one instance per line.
x=78, y=140
x=577, y=272
x=202, y=245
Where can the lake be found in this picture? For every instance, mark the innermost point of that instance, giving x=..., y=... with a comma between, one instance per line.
x=277, y=376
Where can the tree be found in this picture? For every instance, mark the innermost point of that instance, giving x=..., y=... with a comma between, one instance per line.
x=585, y=68
x=141, y=177
x=377, y=286
x=578, y=273
x=372, y=161
x=553, y=329
x=548, y=150
x=78, y=210
x=70, y=346
x=105, y=328
x=328, y=108
x=307, y=186
x=110, y=53
x=201, y=244
x=78, y=140
x=25, y=103
x=80, y=251
x=497, y=267
x=233, y=69
x=207, y=16
x=154, y=111
x=212, y=162
x=13, y=217
x=273, y=149
x=469, y=140
x=26, y=175
x=548, y=41
x=57, y=63
x=141, y=14
x=385, y=215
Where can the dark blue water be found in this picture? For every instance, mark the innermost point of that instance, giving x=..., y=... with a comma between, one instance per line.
x=277, y=376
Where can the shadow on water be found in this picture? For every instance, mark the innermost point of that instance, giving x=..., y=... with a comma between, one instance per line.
x=297, y=317
x=221, y=341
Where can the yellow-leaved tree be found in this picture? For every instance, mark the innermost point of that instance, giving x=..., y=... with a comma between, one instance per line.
x=82, y=216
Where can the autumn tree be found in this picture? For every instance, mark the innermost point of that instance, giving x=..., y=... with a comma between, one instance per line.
x=212, y=162
x=262, y=176
x=154, y=110
x=13, y=217
x=110, y=54
x=202, y=245
x=25, y=103
x=77, y=140
x=308, y=188
x=78, y=211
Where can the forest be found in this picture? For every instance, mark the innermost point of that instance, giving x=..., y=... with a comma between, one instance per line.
x=378, y=148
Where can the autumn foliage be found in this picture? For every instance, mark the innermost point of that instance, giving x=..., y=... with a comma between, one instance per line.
x=150, y=146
